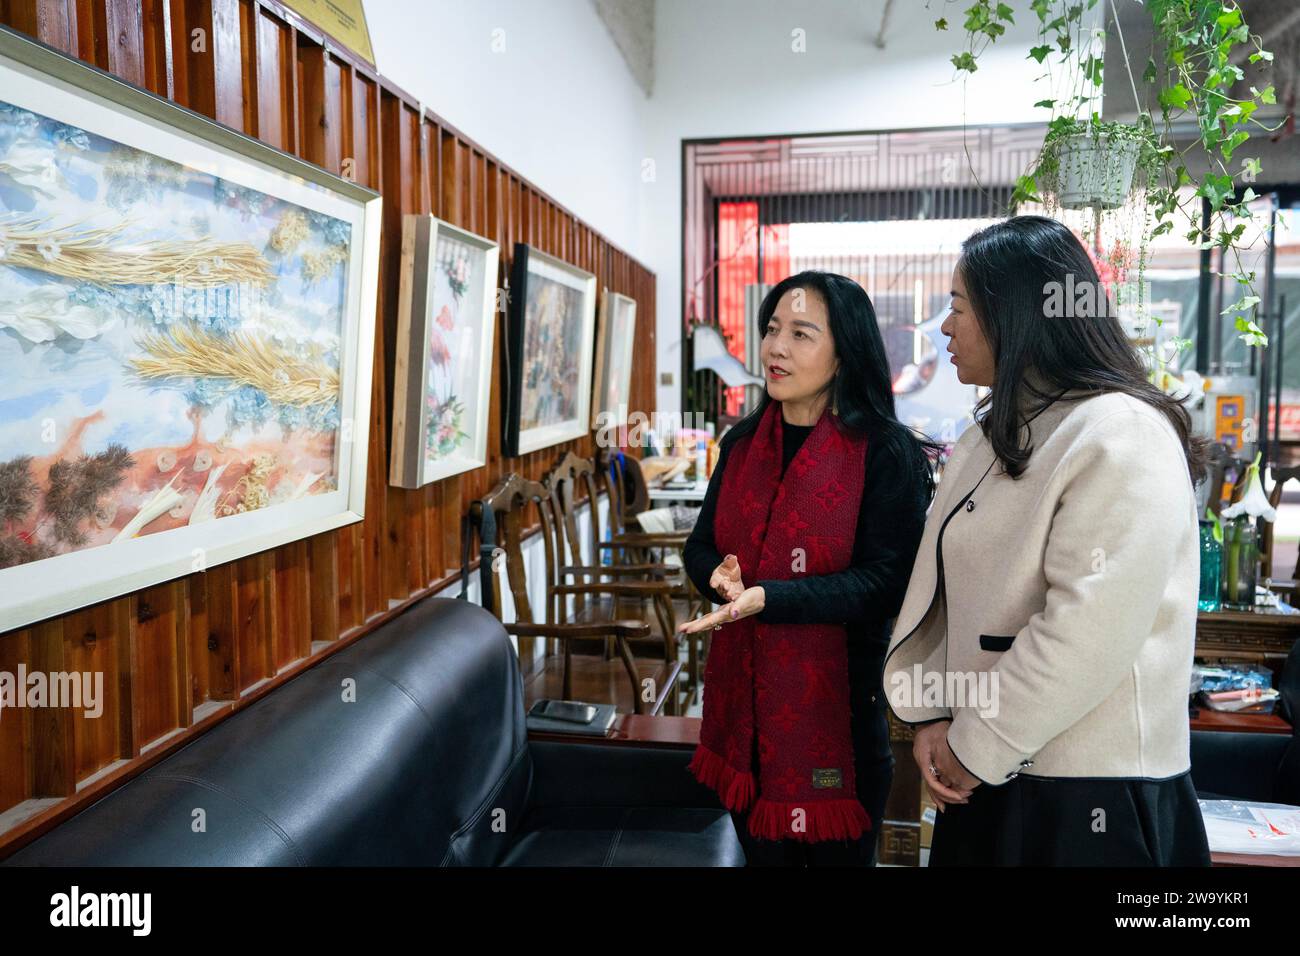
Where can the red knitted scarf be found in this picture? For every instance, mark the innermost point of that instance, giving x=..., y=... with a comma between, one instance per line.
x=787, y=683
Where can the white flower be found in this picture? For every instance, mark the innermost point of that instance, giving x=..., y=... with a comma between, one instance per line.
x=49, y=249
x=31, y=165
x=46, y=312
x=1254, y=502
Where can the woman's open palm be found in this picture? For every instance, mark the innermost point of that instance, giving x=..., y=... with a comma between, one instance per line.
x=726, y=578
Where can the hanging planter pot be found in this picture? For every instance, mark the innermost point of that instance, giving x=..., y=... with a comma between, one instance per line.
x=1095, y=171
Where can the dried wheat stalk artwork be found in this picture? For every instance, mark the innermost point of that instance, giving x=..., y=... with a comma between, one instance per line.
x=99, y=255
x=284, y=376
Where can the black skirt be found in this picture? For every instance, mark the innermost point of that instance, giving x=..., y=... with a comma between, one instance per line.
x=1074, y=821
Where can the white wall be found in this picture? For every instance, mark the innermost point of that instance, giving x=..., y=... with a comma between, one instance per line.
x=559, y=105
x=540, y=84
x=726, y=68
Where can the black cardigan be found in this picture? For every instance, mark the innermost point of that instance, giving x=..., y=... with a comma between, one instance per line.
x=864, y=596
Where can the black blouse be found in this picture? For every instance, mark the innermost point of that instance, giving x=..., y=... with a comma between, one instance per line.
x=868, y=593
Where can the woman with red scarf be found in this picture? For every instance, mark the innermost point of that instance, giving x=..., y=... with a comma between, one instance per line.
x=807, y=535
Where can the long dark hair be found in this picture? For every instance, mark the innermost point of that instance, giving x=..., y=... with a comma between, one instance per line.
x=862, y=390
x=1012, y=270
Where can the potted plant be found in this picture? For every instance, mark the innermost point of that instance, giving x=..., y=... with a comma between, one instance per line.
x=1088, y=163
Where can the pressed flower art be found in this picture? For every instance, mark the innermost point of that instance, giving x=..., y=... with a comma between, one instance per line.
x=443, y=393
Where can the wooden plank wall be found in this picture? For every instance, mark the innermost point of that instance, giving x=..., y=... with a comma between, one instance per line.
x=185, y=654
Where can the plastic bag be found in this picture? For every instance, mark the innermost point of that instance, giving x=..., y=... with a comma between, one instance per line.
x=1242, y=827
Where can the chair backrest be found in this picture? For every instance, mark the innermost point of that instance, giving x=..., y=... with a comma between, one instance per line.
x=571, y=483
x=511, y=504
x=628, y=493
x=1220, y=461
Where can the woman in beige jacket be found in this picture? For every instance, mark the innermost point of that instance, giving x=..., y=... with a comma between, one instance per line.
x=1044, y=647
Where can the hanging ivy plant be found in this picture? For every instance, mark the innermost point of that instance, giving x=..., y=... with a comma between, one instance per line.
x=1199, y=42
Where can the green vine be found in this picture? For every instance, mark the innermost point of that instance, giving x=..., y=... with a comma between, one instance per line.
x=1198, y=44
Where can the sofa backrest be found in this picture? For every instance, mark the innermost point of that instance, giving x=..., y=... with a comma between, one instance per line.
x=403, y=748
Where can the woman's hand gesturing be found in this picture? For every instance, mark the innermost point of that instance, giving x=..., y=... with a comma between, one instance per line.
x=751, y=601
x=726, y=578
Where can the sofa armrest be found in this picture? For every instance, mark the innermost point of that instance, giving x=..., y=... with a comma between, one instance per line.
x=580, y=774
x=1238, y=765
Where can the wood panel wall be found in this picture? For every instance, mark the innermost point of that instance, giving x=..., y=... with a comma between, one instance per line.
x=185, y=654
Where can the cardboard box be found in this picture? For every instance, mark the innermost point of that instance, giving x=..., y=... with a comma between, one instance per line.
x=928, y=814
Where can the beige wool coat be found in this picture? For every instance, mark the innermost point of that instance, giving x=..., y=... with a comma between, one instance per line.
x=1052, y=617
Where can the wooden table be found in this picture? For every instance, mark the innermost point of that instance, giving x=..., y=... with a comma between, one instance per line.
x=689, y=493
x=636, y=730
x=1207, y=719
x=1249, y=635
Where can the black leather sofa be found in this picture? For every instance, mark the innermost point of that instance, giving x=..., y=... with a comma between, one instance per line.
x=1261, y=768
x=430, y=765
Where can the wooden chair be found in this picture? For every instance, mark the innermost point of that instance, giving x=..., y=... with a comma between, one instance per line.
x=503, y=514
x=1224, y=468
x=1221, y=464
x=629, y=496
x=572, y=482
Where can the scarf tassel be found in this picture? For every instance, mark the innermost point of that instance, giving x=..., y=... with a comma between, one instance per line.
x=734, y=787
x=843, y=819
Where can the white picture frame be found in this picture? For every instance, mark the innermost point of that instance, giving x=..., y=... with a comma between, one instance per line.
x=442, y=376
x=550, y=347
x=75, y=121
x=611, y=396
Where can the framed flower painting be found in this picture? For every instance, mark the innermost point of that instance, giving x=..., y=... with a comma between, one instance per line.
x=443, y=368
x=186, y=334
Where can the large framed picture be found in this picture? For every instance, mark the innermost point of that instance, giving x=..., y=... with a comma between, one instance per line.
x=186, y=338
x=614, y=341
x=551, y=341
x=442, y=373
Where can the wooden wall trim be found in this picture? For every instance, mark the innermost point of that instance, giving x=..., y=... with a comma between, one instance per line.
x=184, y=655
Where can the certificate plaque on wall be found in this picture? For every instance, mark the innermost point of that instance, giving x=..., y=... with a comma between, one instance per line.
x=443, y=368
x=551, y=343
x=186, y=333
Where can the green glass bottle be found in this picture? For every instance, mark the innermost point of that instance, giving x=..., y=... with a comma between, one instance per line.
x=1211, y=568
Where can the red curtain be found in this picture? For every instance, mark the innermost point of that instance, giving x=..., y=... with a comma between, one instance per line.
x=738, y=233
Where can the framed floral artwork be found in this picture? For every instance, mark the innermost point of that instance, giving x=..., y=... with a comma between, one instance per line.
x=186, y=333
x=443, y=368
x=614, y=340
x=550, y=343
